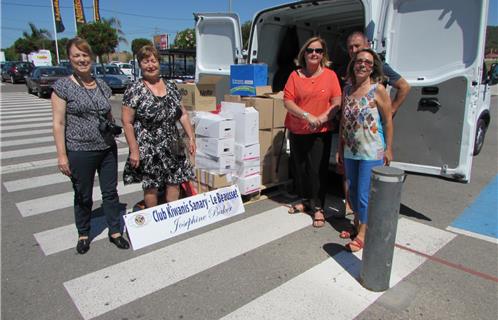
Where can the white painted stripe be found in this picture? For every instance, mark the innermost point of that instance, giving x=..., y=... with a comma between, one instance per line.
x=331, y=290
x=24, y=133
x=25, y=111
x=25, y=126
x=65, y=200
x=32, y=165
x=42, y=181
x=19, y=142
x=473, y=234
x=27, y=152
x=94, y=293
x=24, y=116
x=26, y=120
x=23, y=104
x=64, y=238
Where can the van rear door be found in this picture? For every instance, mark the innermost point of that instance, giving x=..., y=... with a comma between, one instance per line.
x=219, y=44
x=437, y=46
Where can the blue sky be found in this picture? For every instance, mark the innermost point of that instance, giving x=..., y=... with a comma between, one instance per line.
x=139, y=19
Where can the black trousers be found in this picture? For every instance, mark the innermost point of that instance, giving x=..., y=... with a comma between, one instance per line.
x=310, y=160
x=83, y=165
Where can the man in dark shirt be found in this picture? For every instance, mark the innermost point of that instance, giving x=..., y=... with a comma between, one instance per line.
x=356, y=41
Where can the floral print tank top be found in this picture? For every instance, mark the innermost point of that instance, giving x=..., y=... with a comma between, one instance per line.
x=362, y=126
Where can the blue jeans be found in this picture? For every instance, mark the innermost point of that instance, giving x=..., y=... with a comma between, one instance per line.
x=358, y=173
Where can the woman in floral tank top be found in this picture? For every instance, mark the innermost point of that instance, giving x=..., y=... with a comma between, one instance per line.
x=366, y=135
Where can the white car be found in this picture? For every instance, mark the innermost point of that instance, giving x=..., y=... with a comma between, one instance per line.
x=126, y=68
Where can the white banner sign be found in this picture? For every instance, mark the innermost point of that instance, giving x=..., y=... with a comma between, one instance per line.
x=149, y=226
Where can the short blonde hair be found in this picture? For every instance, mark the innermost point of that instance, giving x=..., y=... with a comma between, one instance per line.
x=301, y=61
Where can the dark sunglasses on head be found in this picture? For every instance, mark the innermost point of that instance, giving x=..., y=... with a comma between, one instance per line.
x=317, y=50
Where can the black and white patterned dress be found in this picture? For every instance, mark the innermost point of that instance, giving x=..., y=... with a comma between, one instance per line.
x=163, y=155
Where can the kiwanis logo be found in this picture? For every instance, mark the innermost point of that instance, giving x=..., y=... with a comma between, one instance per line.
x=139, y=220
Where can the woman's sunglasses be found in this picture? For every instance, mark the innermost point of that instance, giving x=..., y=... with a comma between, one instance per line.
x=366, y=62
x=311, y=50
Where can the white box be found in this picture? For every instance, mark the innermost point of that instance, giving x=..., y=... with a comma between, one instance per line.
x=247, y=153
x=222, y=163
x=246, y=121
x=243, y=170
x=212, y=125
x=215, y=147
x=249, y=184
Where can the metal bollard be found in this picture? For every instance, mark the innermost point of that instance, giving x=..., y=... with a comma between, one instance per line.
x=383, y=210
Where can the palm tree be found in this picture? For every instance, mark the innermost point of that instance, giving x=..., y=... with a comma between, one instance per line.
x=116, y=25
x=38, y=37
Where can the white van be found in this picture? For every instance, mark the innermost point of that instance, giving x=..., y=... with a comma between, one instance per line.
x=437, y=46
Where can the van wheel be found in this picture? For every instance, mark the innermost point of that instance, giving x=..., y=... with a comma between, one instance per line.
x=480, y=134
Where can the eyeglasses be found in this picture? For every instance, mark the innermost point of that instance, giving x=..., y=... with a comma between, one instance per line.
x=364, y=61
x=311, y=50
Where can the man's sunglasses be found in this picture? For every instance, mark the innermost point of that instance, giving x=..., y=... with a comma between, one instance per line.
x=311, y=50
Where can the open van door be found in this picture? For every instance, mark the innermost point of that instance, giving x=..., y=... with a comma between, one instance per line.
x=438, y=47
x=219, y=44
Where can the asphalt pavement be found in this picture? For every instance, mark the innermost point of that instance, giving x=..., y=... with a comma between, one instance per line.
x=262, y=264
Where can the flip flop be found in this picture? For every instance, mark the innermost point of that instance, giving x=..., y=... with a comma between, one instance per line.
x=356, y=243
x=296, y=208
x=318, y=222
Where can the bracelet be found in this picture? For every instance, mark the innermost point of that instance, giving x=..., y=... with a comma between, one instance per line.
x=305, y=115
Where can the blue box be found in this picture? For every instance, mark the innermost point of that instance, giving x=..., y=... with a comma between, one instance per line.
x=244, y=78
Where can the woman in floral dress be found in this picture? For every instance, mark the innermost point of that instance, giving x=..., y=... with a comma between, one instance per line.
x=158, y=154
x=366, y=135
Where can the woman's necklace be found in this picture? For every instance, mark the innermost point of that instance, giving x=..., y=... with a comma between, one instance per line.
x=87, y=84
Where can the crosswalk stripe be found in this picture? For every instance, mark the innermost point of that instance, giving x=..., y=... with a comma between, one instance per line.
x=25, y=111
x=27, y=152
x=19, y=142
x=19, y=105
x=24, y=116
x=33, y=165
x=24, y=133
x=93, y=293
x=25, y=126
x=65, y=200
x=42, y=181
x=26, y=120
x=331, y=290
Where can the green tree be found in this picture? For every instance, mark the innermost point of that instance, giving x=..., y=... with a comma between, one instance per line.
x=23, y=45
x=185, y=39
x=138, y=43
x=246, y=31
x=37, y=38
x=116, y=24
x=11, y=54
x=102, y=38
x=492, y=38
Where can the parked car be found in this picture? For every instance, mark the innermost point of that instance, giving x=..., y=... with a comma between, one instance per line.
x=15, y=71
x=112, y=75
x=126, y=68
x=41, y=79
x=66, y=64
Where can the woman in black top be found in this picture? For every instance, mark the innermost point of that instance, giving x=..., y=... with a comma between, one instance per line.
x=81, y=125
x=150, y=113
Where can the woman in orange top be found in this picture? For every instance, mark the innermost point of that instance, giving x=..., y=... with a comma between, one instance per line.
x=312, y=98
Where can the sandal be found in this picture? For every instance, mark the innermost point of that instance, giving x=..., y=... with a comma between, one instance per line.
x=318, y=222
x=297, y=208
x=355, y=245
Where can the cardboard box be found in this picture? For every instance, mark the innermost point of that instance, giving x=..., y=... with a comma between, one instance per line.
x=245, y=78
x=246, y=121
x=232, y=98
x=214, y=126
x=279, y=113
x=215, y=146
x=247, y=153
x=245, y=170
x=222, y=163
x=214, y=179
x=249, y=185
x=265, y=108
x=199, y=97
x=277, y=137
x=265, y=143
